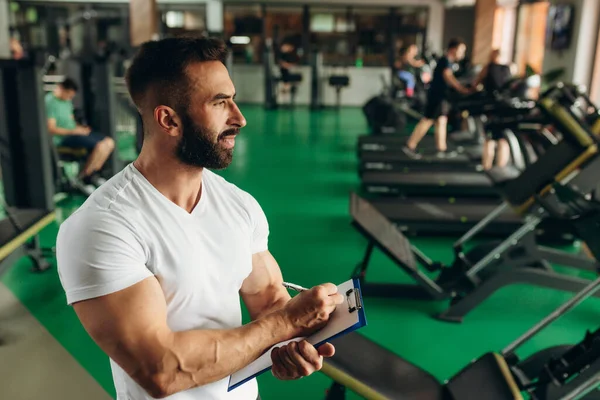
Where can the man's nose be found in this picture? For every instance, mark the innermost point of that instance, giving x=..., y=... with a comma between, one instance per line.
x=236, y=117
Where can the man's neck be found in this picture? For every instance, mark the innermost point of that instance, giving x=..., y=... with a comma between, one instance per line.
x=179, y=183
x=450, y=57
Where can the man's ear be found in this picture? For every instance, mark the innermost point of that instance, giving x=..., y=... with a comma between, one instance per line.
x=168, y=120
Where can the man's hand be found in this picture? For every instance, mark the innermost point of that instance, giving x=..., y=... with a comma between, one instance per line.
x=309, y=311
x=82, y=130
x=296, y=360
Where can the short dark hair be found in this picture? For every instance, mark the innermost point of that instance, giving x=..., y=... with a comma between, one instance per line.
x=160, y=66
x=69, y=84
x=454, y=43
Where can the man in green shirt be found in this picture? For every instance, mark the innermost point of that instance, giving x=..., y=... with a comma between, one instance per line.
x=67, y=133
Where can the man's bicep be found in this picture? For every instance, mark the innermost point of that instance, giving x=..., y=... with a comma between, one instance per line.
x=265, y=273
x=128, y=325
x=262, y=291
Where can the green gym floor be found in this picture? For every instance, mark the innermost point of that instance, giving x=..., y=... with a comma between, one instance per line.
x=301, y=167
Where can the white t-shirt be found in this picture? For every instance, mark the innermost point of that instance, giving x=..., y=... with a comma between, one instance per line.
x=128, y=231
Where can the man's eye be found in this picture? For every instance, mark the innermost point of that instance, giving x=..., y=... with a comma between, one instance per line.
x=220, y=103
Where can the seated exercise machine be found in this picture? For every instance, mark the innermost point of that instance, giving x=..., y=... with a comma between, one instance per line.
x=27, y=201
x=570, y=371
x=478, y=273
x=104, y=104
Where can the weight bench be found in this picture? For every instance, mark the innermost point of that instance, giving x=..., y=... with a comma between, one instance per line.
x=376, y=373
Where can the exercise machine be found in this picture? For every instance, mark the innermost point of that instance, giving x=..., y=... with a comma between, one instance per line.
x=457, y=214
x=111, y=112
x=554, y=373
x=478, y=273
x=28, y=198
x=570, y=371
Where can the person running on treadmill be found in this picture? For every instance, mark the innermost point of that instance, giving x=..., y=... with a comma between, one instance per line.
x=494, y=76
x=438, y=107
x=68, y=133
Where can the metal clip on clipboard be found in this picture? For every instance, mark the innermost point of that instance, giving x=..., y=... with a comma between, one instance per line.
x=357, y=304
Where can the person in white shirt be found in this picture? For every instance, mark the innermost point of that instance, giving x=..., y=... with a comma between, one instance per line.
x=154, y=263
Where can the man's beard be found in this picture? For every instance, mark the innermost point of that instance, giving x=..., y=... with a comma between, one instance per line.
x=197, y=148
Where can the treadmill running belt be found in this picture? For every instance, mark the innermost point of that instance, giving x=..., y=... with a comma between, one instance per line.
x=463, y=179
x=378, y=371
x=440, y=211
x=398, y=156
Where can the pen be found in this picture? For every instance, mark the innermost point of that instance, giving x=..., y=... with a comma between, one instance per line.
x=292, y=286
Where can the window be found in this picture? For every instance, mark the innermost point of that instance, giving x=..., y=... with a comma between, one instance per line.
x=371, y=38
x=183, y=20
x=330, y=34
x=243, y=28
x=285, y=24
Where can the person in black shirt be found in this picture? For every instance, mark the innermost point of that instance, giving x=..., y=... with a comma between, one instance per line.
x=288, y=59
x=494, y=76
x=437, y=103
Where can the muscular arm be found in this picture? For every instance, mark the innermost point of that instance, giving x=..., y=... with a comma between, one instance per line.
x=130, y=326
x=452, y=81
x=263, y=291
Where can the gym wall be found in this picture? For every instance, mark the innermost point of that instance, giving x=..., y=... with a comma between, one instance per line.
x=459, y=22
x=578, y=59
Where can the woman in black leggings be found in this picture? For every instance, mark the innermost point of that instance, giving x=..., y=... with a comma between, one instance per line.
x=493, y=77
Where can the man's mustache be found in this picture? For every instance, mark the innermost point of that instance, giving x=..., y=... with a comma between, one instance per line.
x=229, y=132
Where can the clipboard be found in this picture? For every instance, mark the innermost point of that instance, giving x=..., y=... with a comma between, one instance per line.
x=347, y=317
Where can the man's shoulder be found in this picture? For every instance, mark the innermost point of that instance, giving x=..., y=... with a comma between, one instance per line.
x=112, y=202
x=49, y=98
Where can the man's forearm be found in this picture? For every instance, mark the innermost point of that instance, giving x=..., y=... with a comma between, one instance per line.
x=270, y=299
x=196, y=358
x=61, y=131
x=275, y=305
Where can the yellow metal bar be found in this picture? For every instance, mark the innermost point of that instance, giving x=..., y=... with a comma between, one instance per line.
x=578, y=162
x=356, y=386
x=23, y=237
x=508, y=377
x=596, y=127
x=566, y=119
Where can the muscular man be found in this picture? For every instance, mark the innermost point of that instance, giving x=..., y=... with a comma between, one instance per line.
x=67, y=133
x=156, y=260
x=438, y=107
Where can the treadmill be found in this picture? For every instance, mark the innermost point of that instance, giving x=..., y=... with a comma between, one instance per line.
x=452, y=215
x=400, y=177
x=388, y=154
